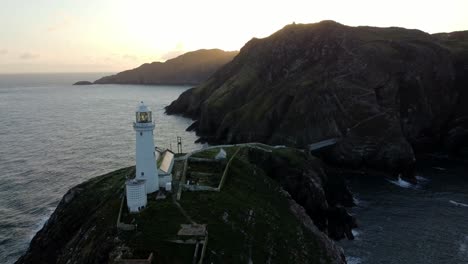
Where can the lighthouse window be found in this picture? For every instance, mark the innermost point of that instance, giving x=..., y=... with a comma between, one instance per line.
x=144, y=117
x=142, y=174
x=141, y=133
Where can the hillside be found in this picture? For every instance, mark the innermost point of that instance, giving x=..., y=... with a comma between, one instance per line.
x=384, y=93
x=457, y=135
x=189, y=68
x=262, y=214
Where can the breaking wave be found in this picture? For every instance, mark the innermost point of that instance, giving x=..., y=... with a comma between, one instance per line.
x=402, y=183
x=353, y=260
x=458, y=204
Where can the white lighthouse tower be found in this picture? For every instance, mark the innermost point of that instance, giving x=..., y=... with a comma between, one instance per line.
x=145, y=152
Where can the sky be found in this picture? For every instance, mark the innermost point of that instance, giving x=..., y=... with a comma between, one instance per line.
x=115, y=35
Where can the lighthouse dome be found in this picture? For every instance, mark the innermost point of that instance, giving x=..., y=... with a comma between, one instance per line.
x=142, y=107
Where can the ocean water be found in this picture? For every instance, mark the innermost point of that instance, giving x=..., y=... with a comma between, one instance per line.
x=54, y=135
x=400, y=222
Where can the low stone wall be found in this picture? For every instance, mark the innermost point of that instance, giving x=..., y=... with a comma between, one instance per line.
x=125, y=227
x=223, y=178
x=136, y=261
x=120, y=225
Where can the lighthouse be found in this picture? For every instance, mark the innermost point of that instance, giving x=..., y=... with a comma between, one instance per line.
x=145, y=152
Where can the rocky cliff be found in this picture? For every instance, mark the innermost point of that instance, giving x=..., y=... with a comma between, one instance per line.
x=81, y=229
x=189, y=68
x=383, y=92
x=457, y=129
x=271, y=209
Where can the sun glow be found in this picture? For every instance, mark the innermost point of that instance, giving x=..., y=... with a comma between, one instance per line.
x=114, y=35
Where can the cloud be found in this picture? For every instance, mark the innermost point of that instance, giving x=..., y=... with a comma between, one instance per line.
x=129, y=57
x=178, y=50
x=62, y=21
x=172, y=54
x=3, y=51
x=28, y=56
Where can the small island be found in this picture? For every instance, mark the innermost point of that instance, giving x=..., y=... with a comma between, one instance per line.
x=223, y=204
x=83, y=83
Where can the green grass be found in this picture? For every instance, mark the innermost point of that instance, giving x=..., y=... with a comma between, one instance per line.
x=272, y=232
x=156, y=224
x=211, y=153
x=207, y=154
x=248, y=220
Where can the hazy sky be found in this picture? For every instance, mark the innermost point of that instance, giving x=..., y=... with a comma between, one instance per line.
x=113, y=35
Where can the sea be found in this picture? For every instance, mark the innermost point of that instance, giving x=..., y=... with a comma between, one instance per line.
x=54, y=135
x=401, y=222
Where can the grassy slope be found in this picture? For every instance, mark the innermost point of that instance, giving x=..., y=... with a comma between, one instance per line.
x=249, y=219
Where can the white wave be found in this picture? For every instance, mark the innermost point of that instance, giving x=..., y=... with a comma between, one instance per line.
x=458, y=204
x=356, y=233
x=421, y=179
x=44, y=218
x=439, y=168
x=356, y=200
x=463, y=248
x=353, y=260
x=402, y=183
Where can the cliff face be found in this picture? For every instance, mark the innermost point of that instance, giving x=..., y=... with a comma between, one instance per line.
x=189, y=68
x=271, y=208
x=457, y=129
x=381, y=91
x=322, y=195
x=81, y=229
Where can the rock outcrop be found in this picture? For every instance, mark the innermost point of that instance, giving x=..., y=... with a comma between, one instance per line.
x=80, y=229
x=187, y=69
x=456, y=138
x=83, y=83
x=383, y=92
x=304, y=177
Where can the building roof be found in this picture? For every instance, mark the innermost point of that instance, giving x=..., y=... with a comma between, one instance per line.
x=167, y=161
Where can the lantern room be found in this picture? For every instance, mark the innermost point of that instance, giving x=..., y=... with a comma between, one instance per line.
x=143, y=114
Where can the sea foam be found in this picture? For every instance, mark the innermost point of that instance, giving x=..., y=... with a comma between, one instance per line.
x=458, y=204
x=402, y=183
x=356, y=233
x=353, y=260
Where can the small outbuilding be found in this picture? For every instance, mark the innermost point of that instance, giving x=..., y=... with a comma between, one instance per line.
x=221, y=155
x=165, y=163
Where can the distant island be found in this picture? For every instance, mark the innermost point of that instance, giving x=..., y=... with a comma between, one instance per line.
x=190, y=68
x=83, y=83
